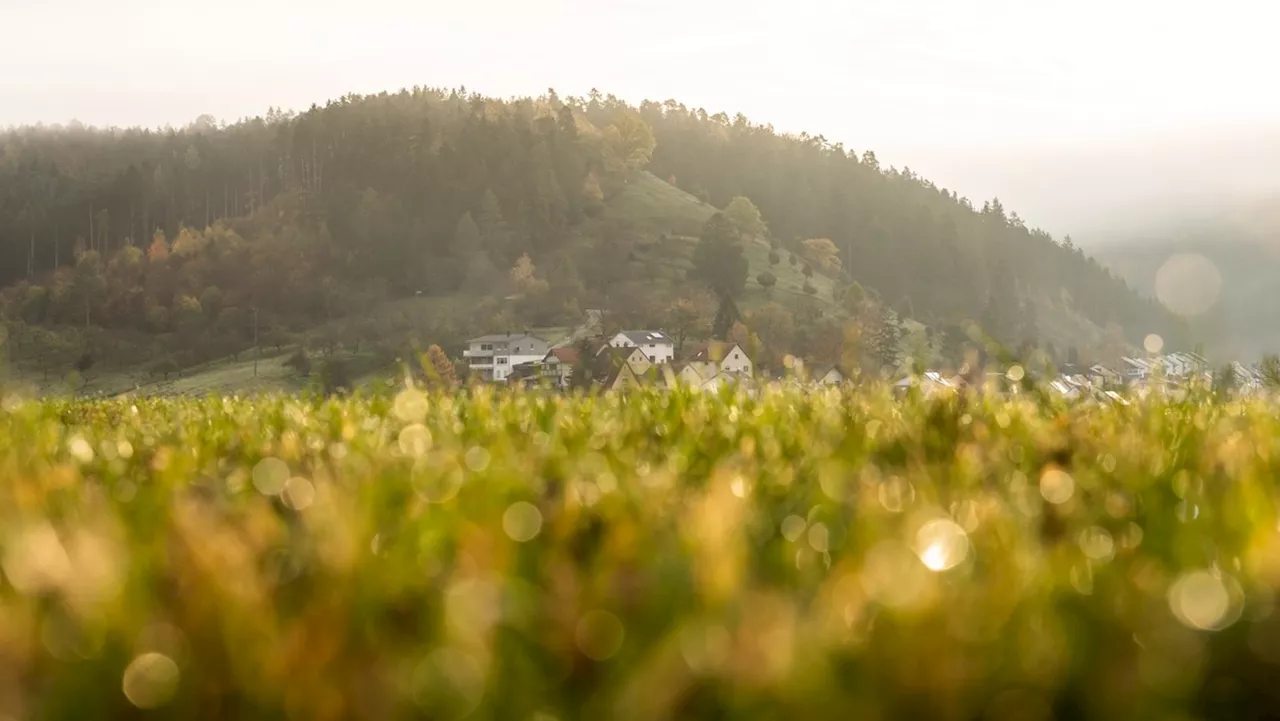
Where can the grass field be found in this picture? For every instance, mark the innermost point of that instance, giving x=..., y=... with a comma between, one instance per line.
x=833, y=554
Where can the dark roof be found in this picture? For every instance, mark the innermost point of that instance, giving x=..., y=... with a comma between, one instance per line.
x=494, y=337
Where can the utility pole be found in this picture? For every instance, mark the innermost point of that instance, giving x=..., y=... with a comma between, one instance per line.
x=255, y=343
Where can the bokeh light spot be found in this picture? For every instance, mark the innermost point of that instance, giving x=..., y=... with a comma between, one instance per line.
x=151, y=680
x=522, y=521
x=298, y=493
x=941, y=544
x=411, y=406
x=1188, y=284
x=270, y=476
x=1204, y=600
x=599, y=635
x=1153, y=343
x=414, y=440
x=1057, y=486
x=793, y=527
x=448, y=684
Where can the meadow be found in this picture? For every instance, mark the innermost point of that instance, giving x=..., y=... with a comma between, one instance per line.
x=509, y=555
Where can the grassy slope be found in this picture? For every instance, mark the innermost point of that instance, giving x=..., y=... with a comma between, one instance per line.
x=657, y=208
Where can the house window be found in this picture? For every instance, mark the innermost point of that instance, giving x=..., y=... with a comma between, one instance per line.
x=486, y=346
x=501, y=361
x=653, y=359
x=650, y=345
x=735, y=356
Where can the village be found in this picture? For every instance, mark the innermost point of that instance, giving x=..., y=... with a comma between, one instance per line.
x=631, y=358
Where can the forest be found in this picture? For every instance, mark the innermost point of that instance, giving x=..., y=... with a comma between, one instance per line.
x=203, y=236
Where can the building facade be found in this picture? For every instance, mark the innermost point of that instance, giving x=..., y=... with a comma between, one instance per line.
x=492, y=357
x=656, y=345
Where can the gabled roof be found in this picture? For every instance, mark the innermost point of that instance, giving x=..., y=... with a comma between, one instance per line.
x=714, y=351
x=645, y=337
x=566, y=354
x=1137, y=363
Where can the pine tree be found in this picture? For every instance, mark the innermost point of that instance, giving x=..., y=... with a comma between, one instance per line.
x=718, y=260
x=726, y=316
x=886, y=343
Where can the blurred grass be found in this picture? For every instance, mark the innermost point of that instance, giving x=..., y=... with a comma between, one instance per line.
x=506, y=555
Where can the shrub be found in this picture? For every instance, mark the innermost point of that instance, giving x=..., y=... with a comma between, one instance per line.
x=299, y=363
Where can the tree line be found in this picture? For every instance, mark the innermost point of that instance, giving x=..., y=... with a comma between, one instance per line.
x=309, y=216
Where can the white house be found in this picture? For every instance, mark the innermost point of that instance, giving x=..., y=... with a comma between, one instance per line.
x=558, y=366
x=656, y=345
x=1136, y=368
x=491, y=357
x=726, y=357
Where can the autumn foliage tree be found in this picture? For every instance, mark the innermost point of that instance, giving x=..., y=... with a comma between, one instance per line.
x=438, y=368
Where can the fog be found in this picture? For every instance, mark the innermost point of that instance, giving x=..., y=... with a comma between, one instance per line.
x=1130, y=188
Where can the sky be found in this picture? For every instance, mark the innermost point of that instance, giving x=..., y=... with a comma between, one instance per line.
x=980, y=95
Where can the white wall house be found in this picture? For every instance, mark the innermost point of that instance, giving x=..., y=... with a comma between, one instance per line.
x=491, y=357
x=656, y=345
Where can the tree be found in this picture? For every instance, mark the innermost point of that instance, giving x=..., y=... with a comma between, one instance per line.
x=767, y=280
x=776, y=327
x=726, y=316
x=887, y=341
x=158, y=251
x=807, y=271
x=495, y=233
x=1225, y=381
x=89, y=285
x=823, y=252
x=718, y=260
x=299, y=363
x=523, y=277
x=774, y=258
x=334, y=378
x=629, y=141
x=438, y=368
x=466, y=237
x=1269, y=369
x=687, y=317
x=745, y=216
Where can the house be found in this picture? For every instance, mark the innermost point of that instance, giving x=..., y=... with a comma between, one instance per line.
x=621, y=378
x=705, y=376
x=1101, y=375
x=1135, y=368
x=833, y=376
x=558, y=364
x=930, y=384
x=632, y=356
x=491, y=357
x=656, y=345
x=726, y=357
x=525, y=374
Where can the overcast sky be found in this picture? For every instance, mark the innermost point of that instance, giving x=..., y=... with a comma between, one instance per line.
x=935, y=84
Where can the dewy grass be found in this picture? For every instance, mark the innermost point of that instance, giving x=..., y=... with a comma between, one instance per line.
x=499, y=555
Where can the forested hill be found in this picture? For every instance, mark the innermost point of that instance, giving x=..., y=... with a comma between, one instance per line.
x=441, y=192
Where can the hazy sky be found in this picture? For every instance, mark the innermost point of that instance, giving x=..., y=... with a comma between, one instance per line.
x=927, y=83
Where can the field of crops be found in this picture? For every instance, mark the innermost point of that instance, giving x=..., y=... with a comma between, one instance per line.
x=645, y=556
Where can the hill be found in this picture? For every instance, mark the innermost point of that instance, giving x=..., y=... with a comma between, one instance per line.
x=173, y=247
x=1225, y=264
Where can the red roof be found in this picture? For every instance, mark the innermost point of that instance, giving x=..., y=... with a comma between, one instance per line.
x=567, y=354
